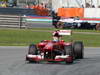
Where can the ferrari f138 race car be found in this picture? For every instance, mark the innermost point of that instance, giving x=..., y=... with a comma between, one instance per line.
x=57, y=51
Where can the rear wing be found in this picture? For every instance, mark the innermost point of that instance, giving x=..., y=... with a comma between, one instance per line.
x=65, y=32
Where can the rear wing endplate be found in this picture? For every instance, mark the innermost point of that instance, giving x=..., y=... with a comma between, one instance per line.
x=65, y=32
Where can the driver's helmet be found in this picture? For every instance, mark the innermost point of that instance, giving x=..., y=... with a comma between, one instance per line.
x=56, y=35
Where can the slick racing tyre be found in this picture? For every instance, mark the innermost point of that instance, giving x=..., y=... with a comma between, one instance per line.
x=78, y=50
x=98, y=27
x=32, y=49
x=68, y=51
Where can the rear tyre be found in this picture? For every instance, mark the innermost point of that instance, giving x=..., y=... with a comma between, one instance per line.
x=78, y=50
x=98, y=27
x=69, y=51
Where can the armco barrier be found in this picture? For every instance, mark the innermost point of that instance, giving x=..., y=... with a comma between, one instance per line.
x=12, y=21
x=13, y=17
x=16, y=11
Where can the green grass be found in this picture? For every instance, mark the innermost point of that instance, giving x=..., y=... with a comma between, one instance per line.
x=23, y=37
x=89, y=40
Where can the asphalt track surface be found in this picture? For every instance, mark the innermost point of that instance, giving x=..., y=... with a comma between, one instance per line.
x=39, y=25
x=12, y=62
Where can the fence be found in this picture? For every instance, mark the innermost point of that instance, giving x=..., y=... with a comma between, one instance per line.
x=12, y=21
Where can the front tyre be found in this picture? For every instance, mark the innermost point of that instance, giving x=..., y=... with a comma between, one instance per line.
x=69, y=51
x=32, y=49
x=78, y=50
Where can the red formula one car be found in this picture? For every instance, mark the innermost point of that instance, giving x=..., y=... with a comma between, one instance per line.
x=58, y=51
